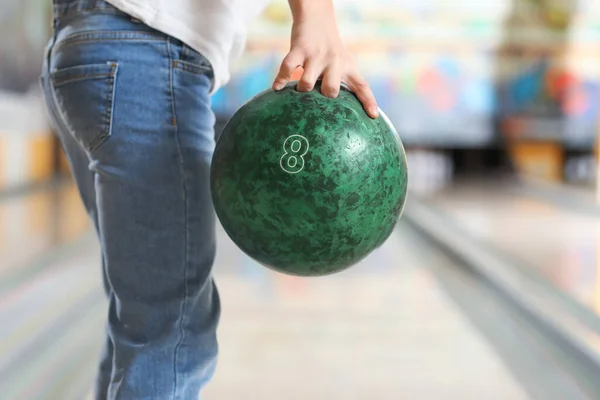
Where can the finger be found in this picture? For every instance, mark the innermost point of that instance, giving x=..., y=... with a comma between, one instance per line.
x=290, y=63
x=361, y=89
x=312, y=72
x=332, y=79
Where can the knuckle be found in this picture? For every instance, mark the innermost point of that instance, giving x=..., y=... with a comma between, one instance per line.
x=316, y=52
x=288, y=63
x=305, y=80
x=361, y=84
x=330, y=89
x=302, y=49
x=287, y=68
x=338, y=58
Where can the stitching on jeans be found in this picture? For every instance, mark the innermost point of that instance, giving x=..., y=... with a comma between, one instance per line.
x=74, y=42
x=183, y=307
x=110, y=92
x=114, y=35
x=131, y=37
x=173, y=116
x=60, y=82
x=192, y=67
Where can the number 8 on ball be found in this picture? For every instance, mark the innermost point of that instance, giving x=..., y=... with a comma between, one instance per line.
x=295, y=148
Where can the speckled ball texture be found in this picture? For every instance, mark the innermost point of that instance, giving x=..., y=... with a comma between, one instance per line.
x=308, y=185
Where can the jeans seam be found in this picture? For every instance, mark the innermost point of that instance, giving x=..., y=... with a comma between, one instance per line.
x=172, y=62
x=108, y=113
x=183, y=306
x=192, y=68
x=79, y=78
x=61, y=45
x=115, y=34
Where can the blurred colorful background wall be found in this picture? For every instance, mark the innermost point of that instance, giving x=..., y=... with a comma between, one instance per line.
x=27, y=146
x=519, y=75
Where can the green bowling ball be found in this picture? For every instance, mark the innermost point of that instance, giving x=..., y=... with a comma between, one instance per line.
x=308, y=185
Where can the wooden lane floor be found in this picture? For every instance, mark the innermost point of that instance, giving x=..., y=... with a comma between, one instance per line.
x=559, y=244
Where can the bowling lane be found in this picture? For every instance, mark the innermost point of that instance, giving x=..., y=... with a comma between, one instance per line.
x=559, y=244
x=384, y=330
x=36, y=225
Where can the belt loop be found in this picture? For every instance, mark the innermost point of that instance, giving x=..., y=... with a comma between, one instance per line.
x=53, y=34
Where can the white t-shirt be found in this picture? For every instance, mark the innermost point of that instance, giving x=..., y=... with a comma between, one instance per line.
x=214, y=28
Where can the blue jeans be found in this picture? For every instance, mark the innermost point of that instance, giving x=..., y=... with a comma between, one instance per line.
x=132, y=109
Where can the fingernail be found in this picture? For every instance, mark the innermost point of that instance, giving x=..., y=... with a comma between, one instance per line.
x=277, y=85
x=374, y=111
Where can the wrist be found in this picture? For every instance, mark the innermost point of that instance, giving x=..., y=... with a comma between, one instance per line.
x=302, y=9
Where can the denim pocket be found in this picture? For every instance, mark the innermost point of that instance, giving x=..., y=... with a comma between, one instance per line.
x=191, y=61
x=85, y=98
x=194, y=68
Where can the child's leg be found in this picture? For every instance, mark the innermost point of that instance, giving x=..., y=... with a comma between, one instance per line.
x=135, y=102
x=85, y=179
